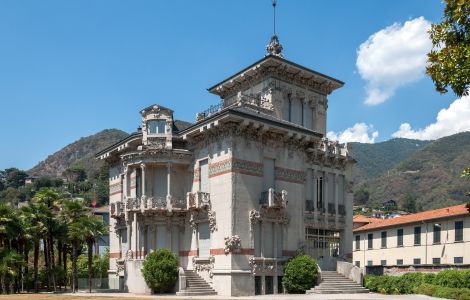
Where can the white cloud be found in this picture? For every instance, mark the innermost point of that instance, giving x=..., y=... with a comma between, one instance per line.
x=393, y=57
x=360, y=132
x=449, y=121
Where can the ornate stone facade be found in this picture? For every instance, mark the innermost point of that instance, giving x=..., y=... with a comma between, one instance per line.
x=236, y=194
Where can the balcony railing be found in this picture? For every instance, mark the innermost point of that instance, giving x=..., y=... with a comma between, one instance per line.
x=196, y=200
x=309, y=205
x=117, y=209
x=146, y=203
x=271, y=198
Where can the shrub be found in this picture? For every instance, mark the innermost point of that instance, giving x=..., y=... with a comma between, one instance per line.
x=300, y=274
x=160, y=270
x=451, y=279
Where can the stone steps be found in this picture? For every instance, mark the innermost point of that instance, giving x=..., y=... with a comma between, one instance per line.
x=335, y=283
x=196, y=286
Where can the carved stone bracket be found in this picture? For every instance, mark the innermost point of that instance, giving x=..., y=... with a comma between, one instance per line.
x=232, y=244
x=203, y=216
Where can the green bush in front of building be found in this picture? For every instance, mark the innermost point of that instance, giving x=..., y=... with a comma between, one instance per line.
x=300, y=274
x=451, y=284
x=161, y=270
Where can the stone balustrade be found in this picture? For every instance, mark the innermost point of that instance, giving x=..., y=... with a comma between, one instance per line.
x=146, y=203
x=196, y=200
x=117, y=209
x=271, y=198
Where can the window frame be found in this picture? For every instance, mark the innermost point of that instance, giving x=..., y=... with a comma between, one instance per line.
x=458, y=232
x=417, y=235
x=370, y=241
x=400, y=237
x=383, y=239
x=357, y=242
x=436, y=234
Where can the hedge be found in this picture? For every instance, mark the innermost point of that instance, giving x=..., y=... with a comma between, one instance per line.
x=443, y=292
x=452, y=284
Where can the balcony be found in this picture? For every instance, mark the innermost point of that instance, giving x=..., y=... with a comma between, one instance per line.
x=271, y=198
x=117, y=209
x=198, y=200
x=147, y=204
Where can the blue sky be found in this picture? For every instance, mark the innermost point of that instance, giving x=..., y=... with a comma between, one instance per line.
x=69, y=69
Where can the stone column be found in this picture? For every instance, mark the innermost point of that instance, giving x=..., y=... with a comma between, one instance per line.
x=125, y=183
x=336, y=183
x=168, y=186
x=129, y=234
x=325, y=196
x=275, y=233
x=261, y=234
x=314, y=196
x=136, y=236
x=143, y=185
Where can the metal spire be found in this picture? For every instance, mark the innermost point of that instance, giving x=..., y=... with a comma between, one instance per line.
x=274, y=47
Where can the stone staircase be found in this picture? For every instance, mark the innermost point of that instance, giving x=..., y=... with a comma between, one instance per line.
x=335, y=283
x=195, y=285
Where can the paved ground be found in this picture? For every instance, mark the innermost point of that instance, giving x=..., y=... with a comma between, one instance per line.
x=119, y=296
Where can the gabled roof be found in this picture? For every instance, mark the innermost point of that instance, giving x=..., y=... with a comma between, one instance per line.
x=452, y=211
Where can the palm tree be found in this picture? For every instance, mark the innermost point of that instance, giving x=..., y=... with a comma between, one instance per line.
x=52, y=198
x=37, y=214
x=10, y=261
x=95, y=229
x=74, y=215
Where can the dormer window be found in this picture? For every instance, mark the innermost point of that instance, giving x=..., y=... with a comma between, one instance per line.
x=156, y=127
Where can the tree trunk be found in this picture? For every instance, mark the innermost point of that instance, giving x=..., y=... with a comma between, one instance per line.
x=74, y=267
x=52, y=262
x=46, y=262
x=36, y=262
x=26, y=269
x=3, y=284
x=90, y=264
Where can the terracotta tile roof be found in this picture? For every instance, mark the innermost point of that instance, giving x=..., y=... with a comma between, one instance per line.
x=365, y=219
x=457, y=210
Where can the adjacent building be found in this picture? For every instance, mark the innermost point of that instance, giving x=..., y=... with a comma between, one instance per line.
x=251, y=183
x=433, y=237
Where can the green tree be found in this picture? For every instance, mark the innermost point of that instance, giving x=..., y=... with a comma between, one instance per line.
x=361, y=196
x=14, y=178
x=75, y=174
x=10, y=262
x=160, y=270
x=466, y=174
x=74, y=215
x=300, y=274
x=449, y=59
x=408, y=203
x=95, y=229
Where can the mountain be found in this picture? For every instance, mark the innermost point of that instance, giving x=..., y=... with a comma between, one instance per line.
x=79, y=153
x=375, y=159
x=431, y=174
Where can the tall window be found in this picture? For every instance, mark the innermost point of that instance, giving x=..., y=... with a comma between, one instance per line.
x=400, y=237
x=436, y=234
x=417, y=235
x=320, y=192
x=290, y=107
x=383, y=236
x=155, y=126
x=370, y=240
x=459, y=231
x=358, y=242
